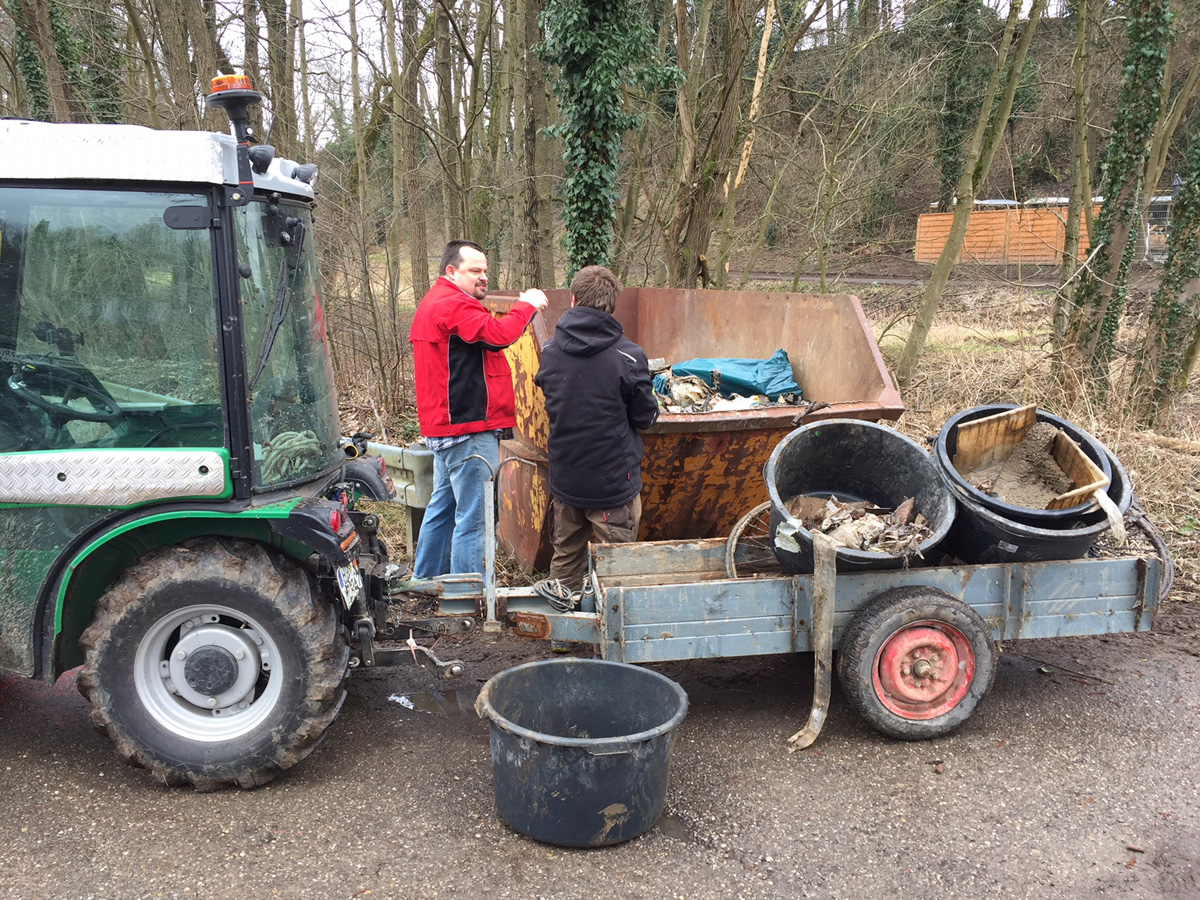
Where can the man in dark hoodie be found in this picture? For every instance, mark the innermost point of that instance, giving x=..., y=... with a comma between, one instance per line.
x=598, y=394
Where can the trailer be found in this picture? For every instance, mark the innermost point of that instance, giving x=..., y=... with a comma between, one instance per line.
x=917, y=648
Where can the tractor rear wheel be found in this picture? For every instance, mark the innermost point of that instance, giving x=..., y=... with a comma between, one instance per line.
x=214, y=663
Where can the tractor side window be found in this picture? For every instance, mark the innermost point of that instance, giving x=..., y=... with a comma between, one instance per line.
x=107, y=321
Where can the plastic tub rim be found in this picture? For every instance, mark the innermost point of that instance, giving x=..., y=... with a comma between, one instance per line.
x=1006, y=510
x=597, y=746
x=849, y=553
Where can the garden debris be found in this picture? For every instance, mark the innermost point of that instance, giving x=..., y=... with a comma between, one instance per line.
x=861, y=525
x=692, y=394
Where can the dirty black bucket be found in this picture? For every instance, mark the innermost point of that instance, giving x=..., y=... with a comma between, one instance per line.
x=946, y=447
x=856, y=460
x=981, y=535
x=580, y=748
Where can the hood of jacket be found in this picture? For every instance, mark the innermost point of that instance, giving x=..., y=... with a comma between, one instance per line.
x=583, y=331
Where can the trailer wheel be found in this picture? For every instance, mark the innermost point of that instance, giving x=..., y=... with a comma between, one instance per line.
x=214, y=663
x=915, y=662
x=749, y=550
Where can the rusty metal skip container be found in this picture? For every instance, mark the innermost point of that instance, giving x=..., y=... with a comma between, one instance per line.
x=701, y=471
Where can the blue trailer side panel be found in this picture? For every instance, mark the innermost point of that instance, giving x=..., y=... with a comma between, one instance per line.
x=671, y=601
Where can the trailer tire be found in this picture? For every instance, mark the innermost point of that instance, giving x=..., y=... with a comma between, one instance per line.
x=915, y=662
x=214, y=663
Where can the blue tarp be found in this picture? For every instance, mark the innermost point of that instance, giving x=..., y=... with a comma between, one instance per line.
x=744, y=376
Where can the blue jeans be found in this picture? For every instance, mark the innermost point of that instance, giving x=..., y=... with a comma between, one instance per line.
x=452, y=530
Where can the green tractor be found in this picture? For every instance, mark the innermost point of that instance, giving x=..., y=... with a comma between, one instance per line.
x=176, y=500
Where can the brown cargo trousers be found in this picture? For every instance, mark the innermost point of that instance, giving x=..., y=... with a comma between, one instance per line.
x=572, y=529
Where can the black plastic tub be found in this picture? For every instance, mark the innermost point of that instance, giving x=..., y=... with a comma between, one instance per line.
x=580, y=748
x=947, y=445
x=981, y=535
x=855, y=460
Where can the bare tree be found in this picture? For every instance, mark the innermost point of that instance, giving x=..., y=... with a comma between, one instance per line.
x=985, y=141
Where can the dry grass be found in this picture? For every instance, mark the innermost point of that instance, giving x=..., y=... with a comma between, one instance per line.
x=993, y=347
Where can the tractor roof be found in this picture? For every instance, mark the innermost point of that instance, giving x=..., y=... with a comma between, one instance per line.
x=44, y=151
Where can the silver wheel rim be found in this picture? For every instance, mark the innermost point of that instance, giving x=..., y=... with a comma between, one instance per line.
x=160, y=673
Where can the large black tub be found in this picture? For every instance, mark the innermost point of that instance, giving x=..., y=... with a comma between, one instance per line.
x=854, y=460
x=580, y=748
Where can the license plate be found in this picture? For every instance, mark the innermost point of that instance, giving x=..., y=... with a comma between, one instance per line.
x=350, y=583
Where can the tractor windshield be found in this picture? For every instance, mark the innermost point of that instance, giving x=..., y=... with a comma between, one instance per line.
x=290, y=379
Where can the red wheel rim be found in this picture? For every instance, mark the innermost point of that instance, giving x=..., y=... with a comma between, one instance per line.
x=924, y=670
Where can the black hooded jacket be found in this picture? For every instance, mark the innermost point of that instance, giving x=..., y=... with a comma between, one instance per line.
x=598, y=393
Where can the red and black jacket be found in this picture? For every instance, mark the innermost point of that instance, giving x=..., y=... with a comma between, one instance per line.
x=464, y=384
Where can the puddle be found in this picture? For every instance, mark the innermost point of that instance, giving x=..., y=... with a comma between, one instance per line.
x=439, y=703
x=674, y=827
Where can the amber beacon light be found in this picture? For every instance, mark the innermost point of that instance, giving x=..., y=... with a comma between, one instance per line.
x=231, y=83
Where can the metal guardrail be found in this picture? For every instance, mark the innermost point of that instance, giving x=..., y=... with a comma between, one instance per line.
x=411, y=471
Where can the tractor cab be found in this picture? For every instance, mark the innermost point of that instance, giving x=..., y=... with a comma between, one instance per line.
x=176, y=503
x=139, y=310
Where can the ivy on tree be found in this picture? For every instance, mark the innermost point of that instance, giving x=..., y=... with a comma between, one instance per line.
x=1100, y=299
x=601, y=48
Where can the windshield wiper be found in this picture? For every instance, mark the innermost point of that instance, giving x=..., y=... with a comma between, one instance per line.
x=282, y=290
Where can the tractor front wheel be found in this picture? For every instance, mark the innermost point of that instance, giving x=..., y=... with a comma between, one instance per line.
x=214, y=663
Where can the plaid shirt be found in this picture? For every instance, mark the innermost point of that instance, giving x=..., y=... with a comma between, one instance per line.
x=445, y=443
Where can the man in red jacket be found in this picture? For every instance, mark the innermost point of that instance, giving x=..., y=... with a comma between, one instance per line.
x=464, y=401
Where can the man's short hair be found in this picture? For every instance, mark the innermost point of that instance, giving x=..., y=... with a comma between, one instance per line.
x=596, y=287
x=452, y=255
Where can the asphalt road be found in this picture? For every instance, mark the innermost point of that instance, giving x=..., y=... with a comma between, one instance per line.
x=1078, y=776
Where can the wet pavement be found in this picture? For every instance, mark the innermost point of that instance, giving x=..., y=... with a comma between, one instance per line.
x=1078, y=776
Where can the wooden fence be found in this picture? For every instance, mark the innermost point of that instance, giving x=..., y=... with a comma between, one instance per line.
x=1030, y=235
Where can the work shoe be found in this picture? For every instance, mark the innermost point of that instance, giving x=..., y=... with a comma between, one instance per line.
x=556, y=594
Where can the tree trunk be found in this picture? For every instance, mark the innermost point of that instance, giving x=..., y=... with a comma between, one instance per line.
x=1100, y=298
x=1081, y=180
x=204, y=62
x=251, y=64
x=733, y=182
x=455, y=223
x=1163, y=364
x=308, y=148
x=478, y=178
x=705, y=160
x=177, y=54
x=985, y=141
x=418, y=243
x=1175, y=103
x=280, y=62
x=395, y=79
x=366, y=298
x=545, y=165
x=133, y=17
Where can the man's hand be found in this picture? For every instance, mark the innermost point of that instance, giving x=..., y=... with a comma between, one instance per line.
x=535, y=298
